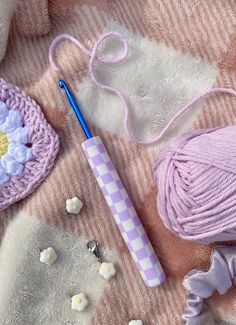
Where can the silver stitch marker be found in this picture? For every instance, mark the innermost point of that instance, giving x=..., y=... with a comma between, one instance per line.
x=93, y=247
x=107, y=270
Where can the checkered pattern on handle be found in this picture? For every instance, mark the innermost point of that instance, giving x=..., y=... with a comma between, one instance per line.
x=123, y=212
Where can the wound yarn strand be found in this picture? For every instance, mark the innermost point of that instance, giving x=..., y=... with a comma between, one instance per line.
x=196, y=179
x=93, y=54
x=195, y=173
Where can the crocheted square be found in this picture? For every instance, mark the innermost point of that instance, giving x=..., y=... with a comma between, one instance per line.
x=28, y=145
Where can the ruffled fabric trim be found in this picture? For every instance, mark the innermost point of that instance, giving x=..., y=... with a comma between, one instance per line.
x=202, y=284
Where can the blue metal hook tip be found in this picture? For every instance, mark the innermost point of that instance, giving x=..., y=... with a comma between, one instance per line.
x=61, y=83
x=74, y=105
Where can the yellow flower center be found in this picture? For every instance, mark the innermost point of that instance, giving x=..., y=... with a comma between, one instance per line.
x=106, y=268
x=74, y=206
x=49, y=256
x=78, y=300
x=3, y=143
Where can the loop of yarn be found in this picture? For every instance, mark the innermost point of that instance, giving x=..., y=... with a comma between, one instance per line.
x=93, y=55
x=196, y=180
x=195, y=173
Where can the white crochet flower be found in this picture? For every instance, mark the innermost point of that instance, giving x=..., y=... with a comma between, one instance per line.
x=79, y=302
x=107, y=270
x=74, y=205
x=48, y=256
x=13, y=139
x=136, y=322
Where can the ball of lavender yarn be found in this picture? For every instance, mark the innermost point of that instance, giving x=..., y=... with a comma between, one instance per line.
x=196, y=179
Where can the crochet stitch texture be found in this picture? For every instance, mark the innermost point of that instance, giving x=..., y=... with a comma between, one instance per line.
x=28, y=150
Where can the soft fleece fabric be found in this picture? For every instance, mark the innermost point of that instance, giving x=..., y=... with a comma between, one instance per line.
x=196, y=35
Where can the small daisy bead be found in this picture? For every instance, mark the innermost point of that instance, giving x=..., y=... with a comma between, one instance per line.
x=136, y=322
x=74, y=205
x=79, y=302
x=107, y=270
x=48, y=256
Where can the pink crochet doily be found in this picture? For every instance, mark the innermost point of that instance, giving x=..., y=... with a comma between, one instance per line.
x=28, y=145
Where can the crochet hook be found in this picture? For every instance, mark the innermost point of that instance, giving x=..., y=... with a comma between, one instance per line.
x=119, y=202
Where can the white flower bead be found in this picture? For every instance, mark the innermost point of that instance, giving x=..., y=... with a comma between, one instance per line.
x=79, y=302
x=107, y=270
x=74, y=205
x=48, y=256
x=136, y=322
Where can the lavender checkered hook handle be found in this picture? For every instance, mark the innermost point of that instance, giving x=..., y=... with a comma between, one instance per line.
x=123, y=212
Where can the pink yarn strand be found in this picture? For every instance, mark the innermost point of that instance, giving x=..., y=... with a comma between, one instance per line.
x=94, y=56
x=195, y=173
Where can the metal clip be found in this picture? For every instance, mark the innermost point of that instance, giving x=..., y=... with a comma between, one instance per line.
x=93, y=248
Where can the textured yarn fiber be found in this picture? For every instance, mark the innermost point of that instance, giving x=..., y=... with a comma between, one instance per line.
x=43, y=140
x=196, y=178
x=193, y=173
x=190, y=66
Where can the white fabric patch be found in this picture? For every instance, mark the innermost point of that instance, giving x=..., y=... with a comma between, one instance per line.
x=34, y=293
x=156, y=80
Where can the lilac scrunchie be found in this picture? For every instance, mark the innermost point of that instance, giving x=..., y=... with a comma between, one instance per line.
x=202, y=284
